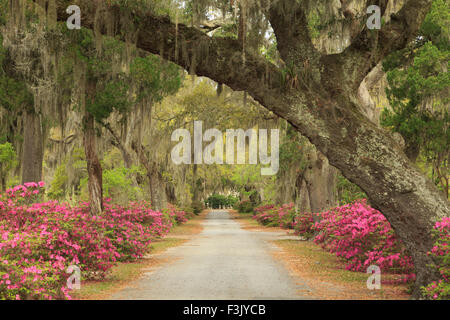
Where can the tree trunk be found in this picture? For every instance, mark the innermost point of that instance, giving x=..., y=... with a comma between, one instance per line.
x=32, y=150
x=155, y=180
x=170, y=194
x=157, y=190
x=94, y=168
x=302, y=195
x=195, y=186
x=117, y=142
x=2, y=183
x=320, y=180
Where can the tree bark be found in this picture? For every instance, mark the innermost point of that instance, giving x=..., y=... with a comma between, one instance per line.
x=320, y=180
x=2, y=182
x=158, y=190
x=302, y=195
x=32, y=150
x=155, y=179
x=195, y=186
x=117, y=142
x=94, y=168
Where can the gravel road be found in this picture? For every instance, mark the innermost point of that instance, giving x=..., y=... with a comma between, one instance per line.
x=223, y=262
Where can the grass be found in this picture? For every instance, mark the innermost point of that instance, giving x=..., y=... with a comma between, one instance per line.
x=125, y=272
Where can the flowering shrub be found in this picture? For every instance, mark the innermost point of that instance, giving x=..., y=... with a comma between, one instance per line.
x=286, y=215
x=303, y=225
x=38, y=241
x=355, y=232
x=362, y=236
x=28, y=193
x=266, y=215
x=132, y=229
x=177, y=215
x=440, y=290
x=269, y=215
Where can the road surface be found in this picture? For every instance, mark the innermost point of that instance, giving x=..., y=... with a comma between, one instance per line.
x=223, y=262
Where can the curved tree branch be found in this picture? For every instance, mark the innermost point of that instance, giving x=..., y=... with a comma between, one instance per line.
x=370, y=47
x=190, y=48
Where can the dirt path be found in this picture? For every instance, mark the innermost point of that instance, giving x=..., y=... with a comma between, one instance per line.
x=223, y=262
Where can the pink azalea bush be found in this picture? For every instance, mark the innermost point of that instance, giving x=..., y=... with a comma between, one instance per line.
x=176, y=215
x=303, y=225
x=354, y=232
x=266, y=215
x=285, y=217
x=38, y=241
x=362, y=236
x=270, y=215
x=440, y=290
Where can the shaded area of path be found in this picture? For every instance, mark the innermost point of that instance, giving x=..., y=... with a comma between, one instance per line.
x=223, y=262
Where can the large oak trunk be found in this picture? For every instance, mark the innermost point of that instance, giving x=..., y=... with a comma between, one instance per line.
x=33, y=151
x=94, y=167
x=320, y=180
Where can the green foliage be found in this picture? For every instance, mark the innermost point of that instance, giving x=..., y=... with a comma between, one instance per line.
x=118, y=184
x=245, y=206
x=348, y=192
x=217, y=201
x=8, y=157
x=8, y=160
x=3, y=11
x=197, y=207
x=112, y=97
x=314, y=25
x=418, y=81
x=57, y=188
x=436, y=26
x=227, y=31
x=75, y=163
x=291, y=150
x=155, y=78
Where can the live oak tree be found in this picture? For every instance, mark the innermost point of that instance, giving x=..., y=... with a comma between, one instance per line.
x=103, y=89
x=319, y=99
